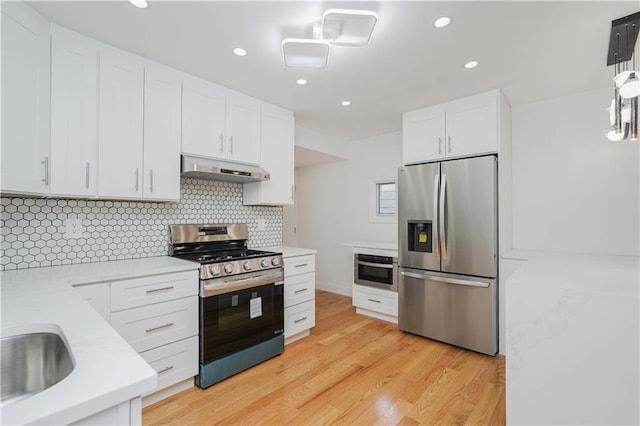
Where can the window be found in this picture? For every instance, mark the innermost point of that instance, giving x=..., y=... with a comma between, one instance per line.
x=385, y=198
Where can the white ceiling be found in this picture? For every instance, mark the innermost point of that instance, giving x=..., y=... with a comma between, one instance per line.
x=531, y=50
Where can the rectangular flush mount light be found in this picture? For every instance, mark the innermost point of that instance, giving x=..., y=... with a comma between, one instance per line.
x=344, y=27
x=305, y=53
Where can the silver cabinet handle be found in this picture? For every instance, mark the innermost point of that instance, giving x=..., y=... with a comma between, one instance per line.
x=231, y=145
x=449, y=143
x=149, y=330
x=221, y=143
x=137, y=178
x=86, y=169
x=301, y=290
x=434, y=223
x=443, y=199
x=301, y=265
x=300, y=320
x=46, y=170
x=375, y=265
x=457, y=281
x=155, y=290
x=151, y=180
x=374, y=300
x=164, y=370
x=439, y=145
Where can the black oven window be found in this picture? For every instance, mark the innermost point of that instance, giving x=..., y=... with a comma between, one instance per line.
x=379, y=275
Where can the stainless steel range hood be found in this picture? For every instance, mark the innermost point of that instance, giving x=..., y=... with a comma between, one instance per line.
x=206, y=168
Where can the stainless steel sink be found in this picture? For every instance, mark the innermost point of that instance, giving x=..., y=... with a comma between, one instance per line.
x=31, y=363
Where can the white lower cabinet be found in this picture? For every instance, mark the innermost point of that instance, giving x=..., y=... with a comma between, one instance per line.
x=375, y=302
x=158, y=316
x=299, y=296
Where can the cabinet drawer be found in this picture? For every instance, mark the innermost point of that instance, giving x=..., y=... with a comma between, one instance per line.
x=299, y=318
x=383, y=301
x=299, y=265
x=173, y=362
x=147, y=290
x=155, y=325
x=299, y=288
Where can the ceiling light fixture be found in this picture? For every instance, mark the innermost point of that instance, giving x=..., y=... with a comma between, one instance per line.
x=348, y=28
x=471, y=64
x=442, y=22
x=345, y=103
x=301, y=81
x=139, y=3
x=305, y=53
x=239, y=51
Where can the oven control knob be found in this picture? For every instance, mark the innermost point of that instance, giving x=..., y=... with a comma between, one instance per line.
x=214, y=269
x=265, y=263
x=275, y=261
x=247, y=266
x=228, y=268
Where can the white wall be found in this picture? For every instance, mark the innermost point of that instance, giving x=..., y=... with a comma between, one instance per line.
x=573, y=190
x=332, y=206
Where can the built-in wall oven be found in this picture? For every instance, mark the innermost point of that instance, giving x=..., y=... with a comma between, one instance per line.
x=376, y=271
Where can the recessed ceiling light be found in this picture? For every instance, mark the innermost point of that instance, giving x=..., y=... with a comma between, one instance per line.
x=471, y=64
x=139, y=3
x=239, y=51
x=346, y=103
x=442, y=22
x=301, y=81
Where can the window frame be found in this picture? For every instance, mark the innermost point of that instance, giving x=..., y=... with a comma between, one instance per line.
x=374, y=202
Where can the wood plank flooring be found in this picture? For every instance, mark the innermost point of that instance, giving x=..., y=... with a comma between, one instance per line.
x=351, y=370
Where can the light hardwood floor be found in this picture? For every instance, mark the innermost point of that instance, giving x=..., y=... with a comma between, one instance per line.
x=351, y=370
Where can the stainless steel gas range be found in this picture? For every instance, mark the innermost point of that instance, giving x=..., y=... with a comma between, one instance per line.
x=241, y=298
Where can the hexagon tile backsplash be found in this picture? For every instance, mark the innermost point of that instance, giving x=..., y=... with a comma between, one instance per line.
x=33, y=230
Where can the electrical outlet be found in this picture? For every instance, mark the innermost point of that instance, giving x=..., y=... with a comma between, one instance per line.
x=74, y=228
x=262, y=225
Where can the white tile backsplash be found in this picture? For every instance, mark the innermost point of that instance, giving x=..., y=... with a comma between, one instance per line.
x=33, y=230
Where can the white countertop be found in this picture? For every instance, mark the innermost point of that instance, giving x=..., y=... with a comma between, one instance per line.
x=289, y=251
x=572, y=339
x=377, y=248
x=107, y=370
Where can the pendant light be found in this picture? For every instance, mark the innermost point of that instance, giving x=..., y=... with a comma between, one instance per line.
x=630, y=87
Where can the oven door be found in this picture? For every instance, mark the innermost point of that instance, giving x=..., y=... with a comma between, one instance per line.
x=376, y=271
x=236, y=320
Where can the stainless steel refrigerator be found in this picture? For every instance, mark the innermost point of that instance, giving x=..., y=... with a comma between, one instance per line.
x=448, y=251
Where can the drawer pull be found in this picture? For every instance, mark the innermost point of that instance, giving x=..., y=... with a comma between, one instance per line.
x=164, y=370
x=155, y=290
x=149, y=330
x=300, y=320
x=374, y=300
x=302, y=265
x=301, y=290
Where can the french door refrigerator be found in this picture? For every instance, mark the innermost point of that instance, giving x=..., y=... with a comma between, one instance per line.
x=448, y=251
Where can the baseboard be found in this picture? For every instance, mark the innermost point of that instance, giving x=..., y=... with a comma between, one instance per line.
x=378, y=315
x=332, y=288
x=167, y=392
x=296, y=337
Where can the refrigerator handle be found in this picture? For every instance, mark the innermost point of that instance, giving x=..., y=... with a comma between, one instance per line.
x=434, y=226
x=441, y=218
x=457, y=281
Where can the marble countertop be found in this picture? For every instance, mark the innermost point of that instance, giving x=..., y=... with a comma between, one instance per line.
x=289, y=251
x=107, y=370
x=380, y=245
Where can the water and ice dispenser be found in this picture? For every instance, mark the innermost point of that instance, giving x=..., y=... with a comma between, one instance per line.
x=420, y=236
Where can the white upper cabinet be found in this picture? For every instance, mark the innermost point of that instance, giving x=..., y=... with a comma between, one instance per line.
x=162, y=88
x=203, y=119
x=26, y=69
x=74, y=80
x=120, y=143
x=217, y=123
x=277, y=151
x=243, y=129
x=460, y=128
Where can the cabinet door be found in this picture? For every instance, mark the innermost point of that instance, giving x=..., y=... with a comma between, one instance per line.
x=276, y=145
x=74, y=137
x=423, y=135
x=243, y=129
x=161, y=133
x=203, y=119
x=25, y=100
x=472, y=125
x=120, y=136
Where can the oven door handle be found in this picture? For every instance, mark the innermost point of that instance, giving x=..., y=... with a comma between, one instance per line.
x=217, y=286
x=375, y=265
